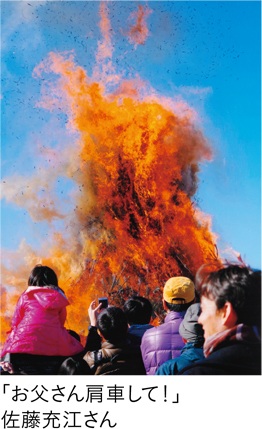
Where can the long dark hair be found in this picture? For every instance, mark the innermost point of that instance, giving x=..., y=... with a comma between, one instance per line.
x=42, y=276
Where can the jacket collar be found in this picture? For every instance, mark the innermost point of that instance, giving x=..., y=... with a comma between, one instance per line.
x=119, y=345
x=135, y=328
x=44, y=289
x=172, y=315
x=198, y=344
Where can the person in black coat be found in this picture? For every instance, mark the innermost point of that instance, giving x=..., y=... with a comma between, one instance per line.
x=231, y=320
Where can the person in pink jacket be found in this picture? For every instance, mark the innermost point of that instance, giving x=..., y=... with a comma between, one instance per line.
x=39, y=317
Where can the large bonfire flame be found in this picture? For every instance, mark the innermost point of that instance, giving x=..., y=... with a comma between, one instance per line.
x=134, y=224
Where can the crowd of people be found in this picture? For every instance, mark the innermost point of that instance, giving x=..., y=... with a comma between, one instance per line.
x=212, y=327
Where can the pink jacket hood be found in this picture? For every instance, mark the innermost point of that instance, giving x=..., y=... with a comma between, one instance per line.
x=48, y=298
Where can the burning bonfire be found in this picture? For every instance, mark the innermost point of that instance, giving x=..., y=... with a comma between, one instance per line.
x=135, y=164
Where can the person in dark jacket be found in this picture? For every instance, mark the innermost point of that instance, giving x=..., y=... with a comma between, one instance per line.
x=164, y=342
x=138, y=311
x=193, y=336
x=231, y=320
x=107, y=350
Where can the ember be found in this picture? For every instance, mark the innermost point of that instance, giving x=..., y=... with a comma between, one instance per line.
x=135, y=223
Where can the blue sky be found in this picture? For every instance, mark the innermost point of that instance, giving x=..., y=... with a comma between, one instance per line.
x=209, y=53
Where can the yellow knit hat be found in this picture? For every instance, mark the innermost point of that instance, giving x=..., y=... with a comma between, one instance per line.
x=179, y=289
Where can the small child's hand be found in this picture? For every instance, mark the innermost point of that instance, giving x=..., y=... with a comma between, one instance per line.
x=93, y=312
x=8, y=367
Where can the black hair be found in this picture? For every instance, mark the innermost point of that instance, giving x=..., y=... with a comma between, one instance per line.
x=239, y=285
x=138, y=310
x=42, y=276
x=179, y=307
x=112, y=323
x=71, y=366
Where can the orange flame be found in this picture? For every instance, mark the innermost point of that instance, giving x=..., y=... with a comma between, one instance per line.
x=134, y=224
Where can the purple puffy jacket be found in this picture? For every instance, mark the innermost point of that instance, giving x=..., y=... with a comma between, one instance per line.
x=38, y=325
x=162, y=343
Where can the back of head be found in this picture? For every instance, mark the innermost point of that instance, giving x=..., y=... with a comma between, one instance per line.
x=71, y=366
x=189, y=328
x=179, y=293
x=138, y=310
x=112, y=324
x=42, y=276
x=239, y=285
